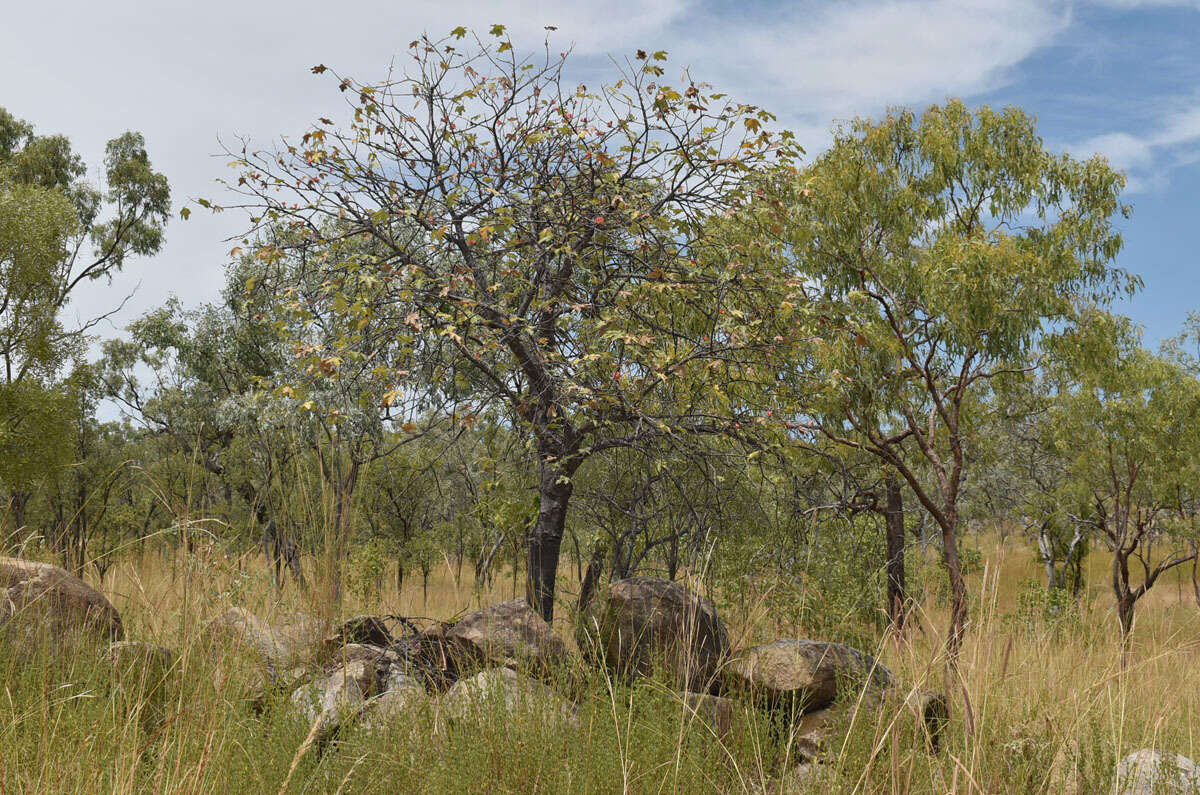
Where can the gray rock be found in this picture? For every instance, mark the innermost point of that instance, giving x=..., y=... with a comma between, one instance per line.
x=506, y=690
x=1151, y=772
x=44, y=602
x=508, y=632
x=644, y=625
x=329, y=702
x=805, y=675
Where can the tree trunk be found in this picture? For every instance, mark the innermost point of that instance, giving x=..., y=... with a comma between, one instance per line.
x=1125, y=603
x=1195, y=579
x=896, y=586
x=591, y=579
x=545, y=539
x=958, y=591
x=18, y=501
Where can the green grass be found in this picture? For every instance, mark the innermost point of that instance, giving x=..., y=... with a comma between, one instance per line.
x=1050, y=709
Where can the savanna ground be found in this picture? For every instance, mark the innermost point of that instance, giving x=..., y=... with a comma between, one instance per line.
x=1050, y=708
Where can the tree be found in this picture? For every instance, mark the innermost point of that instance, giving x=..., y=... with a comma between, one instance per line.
x=932, y=254
x=49, y=215
x=1124, y=423
x=534, y=247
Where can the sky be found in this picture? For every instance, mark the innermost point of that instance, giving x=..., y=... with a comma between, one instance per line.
x=1118, y=77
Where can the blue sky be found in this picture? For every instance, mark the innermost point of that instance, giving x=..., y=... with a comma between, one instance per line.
x=1120, y=77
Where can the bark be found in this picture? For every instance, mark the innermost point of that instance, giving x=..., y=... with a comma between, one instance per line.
x=1195, y=578
x=18, y=502
x=958, y=593
x=897, y=593
x=1125, y=603
x=545, y=539
x=587, y=590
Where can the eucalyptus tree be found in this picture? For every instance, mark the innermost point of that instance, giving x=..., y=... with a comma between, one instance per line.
x=57, y=231
x=931, y=255
x=536, y=248
x=190, y=379
x=1124, y=424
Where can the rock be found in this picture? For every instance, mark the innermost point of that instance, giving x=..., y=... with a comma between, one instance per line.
x=718, y=712
x=505, y=689
x=143, y=675
x=508, y=632
x=805, y=675
x=38, y=599
x=431, y=655
x=932, y=711
x=279, y=646
x=402, y=694
x=643, y=624
x=1151, y=772
x=329, y=702
x=368, y=630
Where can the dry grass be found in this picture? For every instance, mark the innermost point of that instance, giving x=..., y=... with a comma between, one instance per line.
x=1039, y=705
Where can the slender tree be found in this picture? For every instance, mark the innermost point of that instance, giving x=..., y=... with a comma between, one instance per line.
x=932, y=254
x=1123, y=422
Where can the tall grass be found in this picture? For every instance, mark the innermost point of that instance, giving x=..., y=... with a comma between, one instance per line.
x=1040, y=703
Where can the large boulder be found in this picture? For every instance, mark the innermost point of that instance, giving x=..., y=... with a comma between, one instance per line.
x=508, y=633
x=505, y=691
x=1151, y=772
x=805, y=675
x=39, y=600
x=644, y=625
x=280, y=646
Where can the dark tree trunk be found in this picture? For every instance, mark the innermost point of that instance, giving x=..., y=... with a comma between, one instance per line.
x=545, y=539
x=18, y=501
x=897, y=589
x=591, y=578
x=1195, y=578
x=1125, y=603
x=673, y=556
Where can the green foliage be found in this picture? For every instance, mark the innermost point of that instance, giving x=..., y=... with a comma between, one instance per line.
x=1041, y=607
x=47, y=214
x=368, y=564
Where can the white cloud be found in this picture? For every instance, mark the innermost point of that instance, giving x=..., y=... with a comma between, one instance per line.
x=1124, y=151
x=1180, y=127
x=847, y=58
x=1137, y=4
x=186, y=73
x=1173, y=139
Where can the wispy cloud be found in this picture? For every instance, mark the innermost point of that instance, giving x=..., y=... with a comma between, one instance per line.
x=1148, y=156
